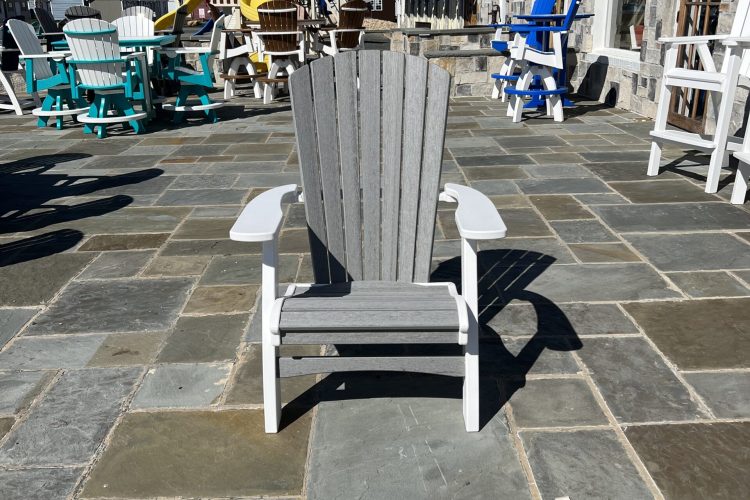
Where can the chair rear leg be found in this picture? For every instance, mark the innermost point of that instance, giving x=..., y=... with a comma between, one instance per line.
x=741, y=183
x=660, y=123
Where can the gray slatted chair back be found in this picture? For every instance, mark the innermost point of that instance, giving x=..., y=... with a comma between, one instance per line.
x=82, y=12
x=134, y=26
x=370, y=130
x=96, y=41
x=278, y=16
x=139, y=10
x=28, y=44
x=46, y=21
x=351, y=16
x=178, y=27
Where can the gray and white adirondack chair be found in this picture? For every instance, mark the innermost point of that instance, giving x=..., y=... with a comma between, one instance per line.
x=720, y=83
x=135, y=26
x=370, y=130
x=139, y=10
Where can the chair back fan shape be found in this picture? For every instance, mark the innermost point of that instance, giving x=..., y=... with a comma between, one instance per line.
x=178, y=26
x=554, y=56
x=134, y=26
x=28, y=44
x=82, y=12
x=351, y=16
x=279, y=16
x=139, y=10
x=96, y=42
x=370, y=129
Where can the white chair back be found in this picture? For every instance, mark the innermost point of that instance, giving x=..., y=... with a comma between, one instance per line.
x=28, y=44
x=741, y=27
x=95, y=42
x=216, y=33
x=139, y=10
x=134, y=27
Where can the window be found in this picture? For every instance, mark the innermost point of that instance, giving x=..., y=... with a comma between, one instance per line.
x=618, y=27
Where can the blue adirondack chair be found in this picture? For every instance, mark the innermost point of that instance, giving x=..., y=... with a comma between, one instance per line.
x=546, y=63
x=96, y=64
x=46, y=71
x=509, y=70
x=194, y=82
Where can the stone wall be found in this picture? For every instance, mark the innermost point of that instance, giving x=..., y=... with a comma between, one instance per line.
x=465, y=53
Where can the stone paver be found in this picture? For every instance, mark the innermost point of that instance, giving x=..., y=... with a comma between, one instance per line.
x=126, y=311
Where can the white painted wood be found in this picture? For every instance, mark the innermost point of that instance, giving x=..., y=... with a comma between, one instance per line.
x=84, y=118
x=271, y=385
x=100, y=44
x=261, y=219
x=721, y=83
x=741, y=185
x=476, y=216
x=469, y=290
x=140, y=10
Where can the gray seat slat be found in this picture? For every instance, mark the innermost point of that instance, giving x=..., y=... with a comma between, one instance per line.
x=385, y=303
x=438, y=365
x=358, y=337
x=369, y=320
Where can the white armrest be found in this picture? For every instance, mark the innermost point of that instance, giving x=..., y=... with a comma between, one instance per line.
x=48, y=55
x=261, y=219
x=690, y=40
x=476, y=216
x=740, y=40
x=193, y=50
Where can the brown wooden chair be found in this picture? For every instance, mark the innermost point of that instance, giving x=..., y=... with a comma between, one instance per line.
x=349, y=35
x=282, y=41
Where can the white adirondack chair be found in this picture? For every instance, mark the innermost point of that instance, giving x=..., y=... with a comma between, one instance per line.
x=139, y=10
x=349, y=34
x=721, y=83
x=370, y=203
x=135, y=26
x=100, y=67
x=40, y=76
x=233, y=57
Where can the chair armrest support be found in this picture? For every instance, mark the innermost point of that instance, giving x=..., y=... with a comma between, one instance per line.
x=690, y=40
x=261, y=219
x=48, y=55
x=476, y=216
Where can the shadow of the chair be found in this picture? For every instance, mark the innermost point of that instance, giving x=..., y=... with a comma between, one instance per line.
x=504, y=275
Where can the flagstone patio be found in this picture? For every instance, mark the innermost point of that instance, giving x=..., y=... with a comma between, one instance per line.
x=615, y=347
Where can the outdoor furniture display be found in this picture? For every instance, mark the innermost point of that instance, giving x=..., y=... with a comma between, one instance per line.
x=235, y=56
x=50, y=30
x=510, y=69
x=139, y=10
x=168, y=20
x=194, y=82
x=349, y=35
x=721, y=83
x=541, y=62
x=370, y=205
x=9, y=100
x=96, y=64
x=82, y=12
x=135, y=26
x=282, y=41
x=46, y=71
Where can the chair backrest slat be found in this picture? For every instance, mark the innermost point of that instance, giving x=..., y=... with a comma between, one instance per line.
x=95, y=40
x=46, y=20
x=139, y=10
x=369, y=138
x=278, y=16
x=370, y=190
x=351, y=16
x=28, y=44
x=82, y=12
x=134, y=26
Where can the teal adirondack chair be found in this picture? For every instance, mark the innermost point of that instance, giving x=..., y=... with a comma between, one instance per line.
x=96, y=64
x=46, y=71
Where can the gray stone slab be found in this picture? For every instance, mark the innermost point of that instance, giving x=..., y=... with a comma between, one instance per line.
x=11, y=322
x=210, y=247
x=367, y=445
x=182, y=386
x=551, y=320
x=601, y=283
x=583, y=465
x=127, y=220
x=266, y=180
x=246, y=270
x=80, y=407
x=524, y=251
x=192, y=197
x=117, y=265
x=495, y=187
x=38, y=484
x=562, y=186
x=36, y=281
x=204, y=339
x=514, y=358
x=494, y=160
x=556, y=171
x=38, y=353
x=126, y=349
x=583, y=231
x=555, y=403
x=114, y=306
x=725, y=393
x=673, y=217
x=693, y=252
x=636, y=383
x=18, y=389
x=212, y=181
x=709, y=284
x=601, y=199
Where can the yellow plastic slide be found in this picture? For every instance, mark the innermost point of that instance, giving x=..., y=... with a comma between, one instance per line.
x=166, y=21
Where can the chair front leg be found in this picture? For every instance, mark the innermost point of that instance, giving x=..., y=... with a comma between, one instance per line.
x=271, y=383
x=469, y=291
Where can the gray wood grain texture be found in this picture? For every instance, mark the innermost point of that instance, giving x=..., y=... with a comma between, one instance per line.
x=415, y=90
x=307, y=150
x=324, y=100
x=348, y=127
x=368, y=320
x=385, y=303
x=441, y=365
x=436, y=115
x=359, y=337
x=370, y=130
x=393, y=109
